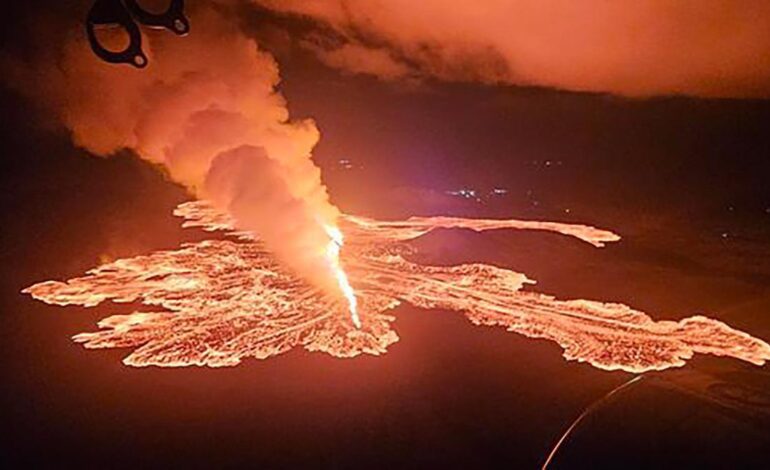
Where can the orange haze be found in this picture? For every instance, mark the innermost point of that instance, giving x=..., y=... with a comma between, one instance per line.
x=717, y=48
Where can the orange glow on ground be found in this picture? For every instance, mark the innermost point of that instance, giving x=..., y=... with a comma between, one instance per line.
x=217, y=302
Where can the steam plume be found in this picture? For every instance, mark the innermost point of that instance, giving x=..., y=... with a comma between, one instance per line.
x=207, y=111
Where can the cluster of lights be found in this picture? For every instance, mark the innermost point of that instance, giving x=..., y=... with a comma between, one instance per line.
x=345, y=164
x=470, y=193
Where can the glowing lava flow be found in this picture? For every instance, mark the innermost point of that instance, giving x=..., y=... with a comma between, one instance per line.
x=219, y=301
x=333, y=253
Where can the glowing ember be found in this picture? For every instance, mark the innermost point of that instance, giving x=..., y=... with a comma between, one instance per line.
x=218, y=301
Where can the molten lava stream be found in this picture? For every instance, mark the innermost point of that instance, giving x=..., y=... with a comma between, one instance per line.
x=226, y=300
x=333, y=254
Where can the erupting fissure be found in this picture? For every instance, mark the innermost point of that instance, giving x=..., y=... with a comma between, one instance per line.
x=333, y=253
x=209, y=113
x=218, y=301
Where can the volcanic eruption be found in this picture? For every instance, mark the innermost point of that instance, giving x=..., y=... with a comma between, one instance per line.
x=207, y=113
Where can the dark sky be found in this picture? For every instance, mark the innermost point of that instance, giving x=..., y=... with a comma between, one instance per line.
x=684, y=161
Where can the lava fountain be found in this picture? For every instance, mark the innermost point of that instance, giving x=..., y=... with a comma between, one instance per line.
x=333, y=254
x=219, y=301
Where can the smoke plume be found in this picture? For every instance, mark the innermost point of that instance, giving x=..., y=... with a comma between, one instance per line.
x=715, y=48
x=206, y=111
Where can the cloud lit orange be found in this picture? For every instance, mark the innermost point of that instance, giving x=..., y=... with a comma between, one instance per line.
x=716, y=48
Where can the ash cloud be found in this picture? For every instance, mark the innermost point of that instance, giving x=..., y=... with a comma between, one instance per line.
x=207, y=112
x=708, y=48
